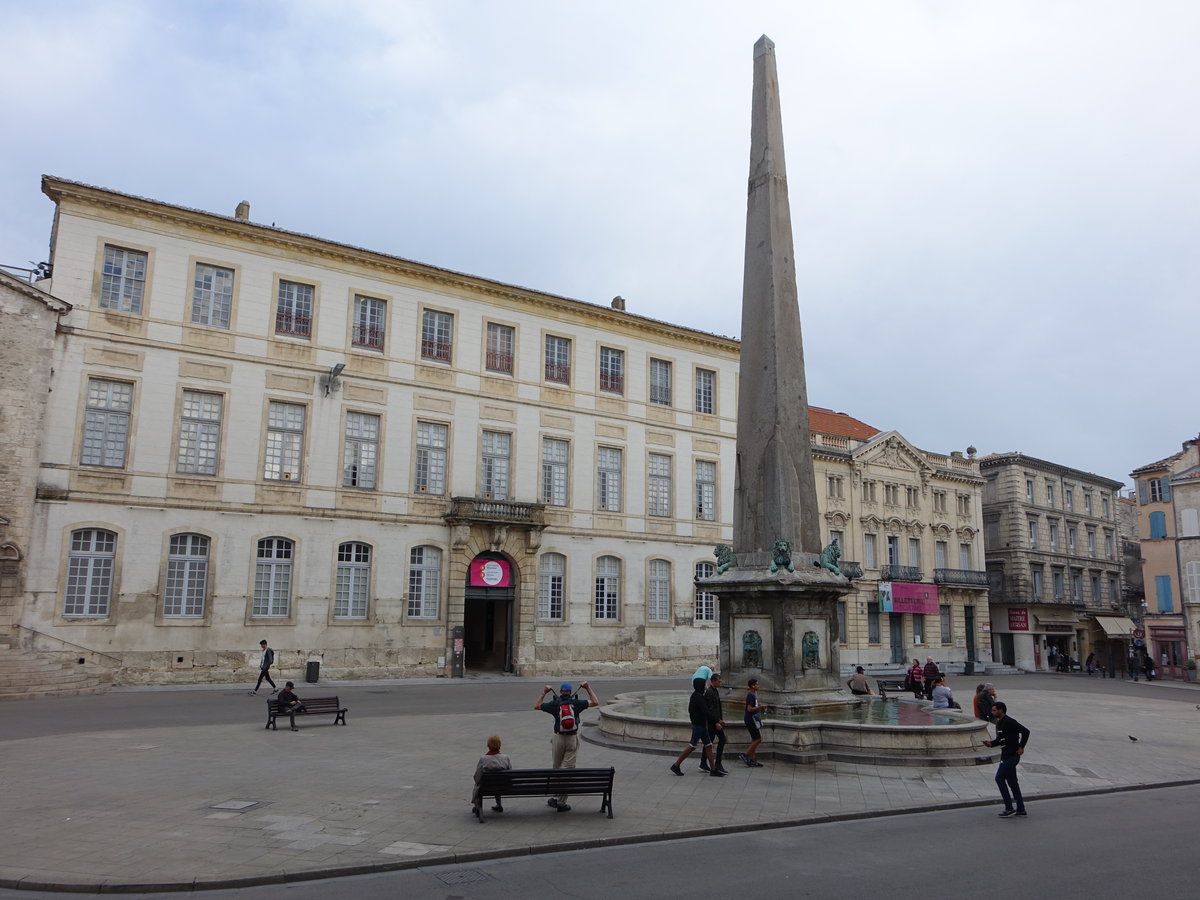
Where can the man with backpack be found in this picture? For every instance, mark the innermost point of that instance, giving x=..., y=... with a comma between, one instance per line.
x=566, y=708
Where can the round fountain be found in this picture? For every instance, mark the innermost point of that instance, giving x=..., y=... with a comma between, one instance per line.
x=862, y=730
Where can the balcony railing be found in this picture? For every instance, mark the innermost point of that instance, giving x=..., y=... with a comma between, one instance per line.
x=559, y=373
x=498, y=361
x=505, y=512
x=900, y=573
x=433, y=349
x=294, y=324
x=850, y=568
x=366, y=336
x=960, y=576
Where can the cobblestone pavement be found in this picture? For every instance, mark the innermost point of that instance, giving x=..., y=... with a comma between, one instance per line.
x=225, y=804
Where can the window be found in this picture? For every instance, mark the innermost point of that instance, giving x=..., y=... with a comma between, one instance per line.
x=1108, y=544
x=1076, y=585
x=106, y=423
x=558, y=360
x=285, y=441
x=1191, y=573
x=123, y=281
x=612, y=370
x=1057, y=578
x=834, y=485
x=660, y=382
x=360, y=458
x=912, y=497
x=891, y=494
x=914, y=552
x=658, y=592
x=608, y=589
x=199, y=433
x=1112, y=590
x=424, y=582
x=939, y=501
x=437, y=335
x=1154, y=490
x=1104, y=505
x=706, y=381
x=869, y=551
x=370, y=323
x=872, y=623
x=90, y=572
x=1036, y=574
x=1050, y=493
x=1053, y=534
x=706, y=601
x=429, y=475
x=1069, y=498
x=841, y=621
x=608, y=479
x=495, y=456
x=294, y=309
x=893, y=550
x=868, y=491
x=1028, y=490
x=1162, y=590
x=1158, y=525
x=554, y=472
x=212, y=296
x=839, y=538
x=940, y=551
x=187, y=577
x=706, y=490
x=964, y=556
x=1096, y=590
x=947, y=624
x=1091, y=541
x=964, y=504
x=1087, y=502
x=918, y=623
x=273, y=578
x=1072, y=534
x=658, y=477
x=1033, y=534
x=552, y=568
x=353, y=581
x=500, y=342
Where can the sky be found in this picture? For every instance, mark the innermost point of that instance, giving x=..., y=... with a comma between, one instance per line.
x=995, y=206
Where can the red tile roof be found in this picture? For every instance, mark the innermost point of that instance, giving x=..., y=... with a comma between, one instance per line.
x=826, y=421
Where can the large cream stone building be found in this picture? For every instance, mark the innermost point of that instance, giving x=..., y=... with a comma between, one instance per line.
x=394, y=469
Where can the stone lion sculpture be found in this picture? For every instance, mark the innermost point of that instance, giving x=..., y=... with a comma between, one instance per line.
x=829, y=558
x=782, y=557
x=725, y=557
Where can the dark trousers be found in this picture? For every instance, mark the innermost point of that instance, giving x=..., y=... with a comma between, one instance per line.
x=719, y=750
x=264, y=673
x=1006, y=780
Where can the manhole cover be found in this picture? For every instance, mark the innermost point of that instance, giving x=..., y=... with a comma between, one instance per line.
x=234, y=804
x=463, y=876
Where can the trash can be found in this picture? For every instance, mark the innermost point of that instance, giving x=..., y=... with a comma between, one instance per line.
x=312, y=672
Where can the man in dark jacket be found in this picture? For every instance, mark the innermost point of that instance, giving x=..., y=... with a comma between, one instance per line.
x=698, y=715
x=716, y=724
x=264, y=668
x=1011, y=738
x=931, y=673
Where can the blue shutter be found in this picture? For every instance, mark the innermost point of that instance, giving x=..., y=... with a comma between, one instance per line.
x=1142, y=498
x=1165, y=481
x=1162, y=586
x=1158, y=525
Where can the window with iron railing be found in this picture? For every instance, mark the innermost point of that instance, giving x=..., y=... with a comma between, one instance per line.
x=437, y=334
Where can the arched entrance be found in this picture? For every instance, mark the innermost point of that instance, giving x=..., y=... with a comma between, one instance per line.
x=488, y=613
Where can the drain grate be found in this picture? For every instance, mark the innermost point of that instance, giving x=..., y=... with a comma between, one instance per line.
x=462, y=876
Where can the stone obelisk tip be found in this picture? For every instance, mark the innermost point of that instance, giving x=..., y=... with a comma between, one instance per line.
x=763, y=45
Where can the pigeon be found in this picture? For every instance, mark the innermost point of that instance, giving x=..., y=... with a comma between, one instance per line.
x=1132, y=738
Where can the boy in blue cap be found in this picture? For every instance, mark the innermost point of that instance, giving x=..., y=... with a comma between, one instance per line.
x=566, y=710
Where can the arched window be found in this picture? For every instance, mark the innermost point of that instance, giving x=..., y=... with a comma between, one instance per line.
x=187, y=577
x=90, y=572
x=608, y=589
x=706, y=601
x=424, y=582
x=353, y=580
x=273, y=578
x=658, y=592
x=552, y=568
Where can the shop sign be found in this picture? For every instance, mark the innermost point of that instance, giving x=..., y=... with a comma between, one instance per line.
x=1018, y=619
x=490, y=573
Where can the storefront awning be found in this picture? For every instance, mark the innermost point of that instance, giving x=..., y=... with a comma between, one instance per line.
x=1116, y=626
x=1055, y=623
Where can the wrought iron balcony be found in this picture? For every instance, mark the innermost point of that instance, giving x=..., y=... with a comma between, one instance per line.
x=900, y=573
x=500, y=512
x=960, y=576
x=850, y=569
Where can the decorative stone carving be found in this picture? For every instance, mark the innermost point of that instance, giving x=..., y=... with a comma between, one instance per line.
x=751, y=650
x=725, y=558
x=812, y=650
x=782, y=557
x=829, y=558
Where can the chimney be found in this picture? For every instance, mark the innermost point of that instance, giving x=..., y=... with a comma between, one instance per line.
x=242, y=213
x=618, y=303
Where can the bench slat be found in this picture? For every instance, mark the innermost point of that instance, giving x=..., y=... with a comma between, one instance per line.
x=547, y=782
x=312, y=707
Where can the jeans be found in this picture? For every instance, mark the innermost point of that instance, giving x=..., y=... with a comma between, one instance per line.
x=263, y=673
x=1006, y=778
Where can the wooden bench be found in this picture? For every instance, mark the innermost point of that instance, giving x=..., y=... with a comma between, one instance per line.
x=313, y=706
x=547, y=783
x=896, y=686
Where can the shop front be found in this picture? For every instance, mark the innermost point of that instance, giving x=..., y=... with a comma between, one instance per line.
x=1112, y=638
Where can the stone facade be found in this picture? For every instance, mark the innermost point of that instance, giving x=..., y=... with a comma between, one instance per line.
x=28, y=320
x=1055, y=561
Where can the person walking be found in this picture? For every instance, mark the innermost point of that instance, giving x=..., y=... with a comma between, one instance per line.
x=753, y=720
x=566, y=709
x=492, y=761
x=1011, y=738
x=716, y=725
x=698, y=715
x=264, y=668
x=916, y=679
x=931, y=673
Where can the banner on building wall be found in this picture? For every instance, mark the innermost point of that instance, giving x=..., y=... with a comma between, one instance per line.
x=1018, y=619
x=907, y=597
x=490, y=573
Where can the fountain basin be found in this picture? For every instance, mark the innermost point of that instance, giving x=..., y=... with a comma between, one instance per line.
x=862, y=730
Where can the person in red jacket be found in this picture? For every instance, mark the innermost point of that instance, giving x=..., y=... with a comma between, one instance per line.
x=916, y=679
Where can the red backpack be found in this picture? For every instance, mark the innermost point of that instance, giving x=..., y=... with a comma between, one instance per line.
x=566, y=716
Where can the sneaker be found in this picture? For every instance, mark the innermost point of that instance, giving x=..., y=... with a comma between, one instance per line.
x=717, y=773
x=564, y=807
x=1008, y=814
x=744, y=758
x=1021, y=812
x=251, y=693
x=721, y=770
x=553, y=801
x=497, y=808
x=675, y=768
x=275, y=691
x=704, y=766
x=756, y=764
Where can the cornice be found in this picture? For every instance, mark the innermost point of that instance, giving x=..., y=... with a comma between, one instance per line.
x=1016, y=458
x=63, y=191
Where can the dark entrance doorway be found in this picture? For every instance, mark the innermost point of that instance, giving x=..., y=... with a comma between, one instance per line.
x=488, y=615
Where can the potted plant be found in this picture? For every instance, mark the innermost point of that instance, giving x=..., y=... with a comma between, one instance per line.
x=1191, y=669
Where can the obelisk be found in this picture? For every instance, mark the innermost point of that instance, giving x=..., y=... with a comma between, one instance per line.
x=774, y=488
x=778, y=602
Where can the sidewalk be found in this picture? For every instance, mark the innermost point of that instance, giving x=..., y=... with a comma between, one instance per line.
x=227, y=805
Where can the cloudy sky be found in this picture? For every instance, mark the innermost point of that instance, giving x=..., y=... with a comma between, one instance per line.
x=996, y=206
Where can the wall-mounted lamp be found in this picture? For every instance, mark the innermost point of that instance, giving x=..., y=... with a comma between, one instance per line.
x=329, y=381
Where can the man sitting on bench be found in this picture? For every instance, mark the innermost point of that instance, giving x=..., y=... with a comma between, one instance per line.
x=289, y=703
